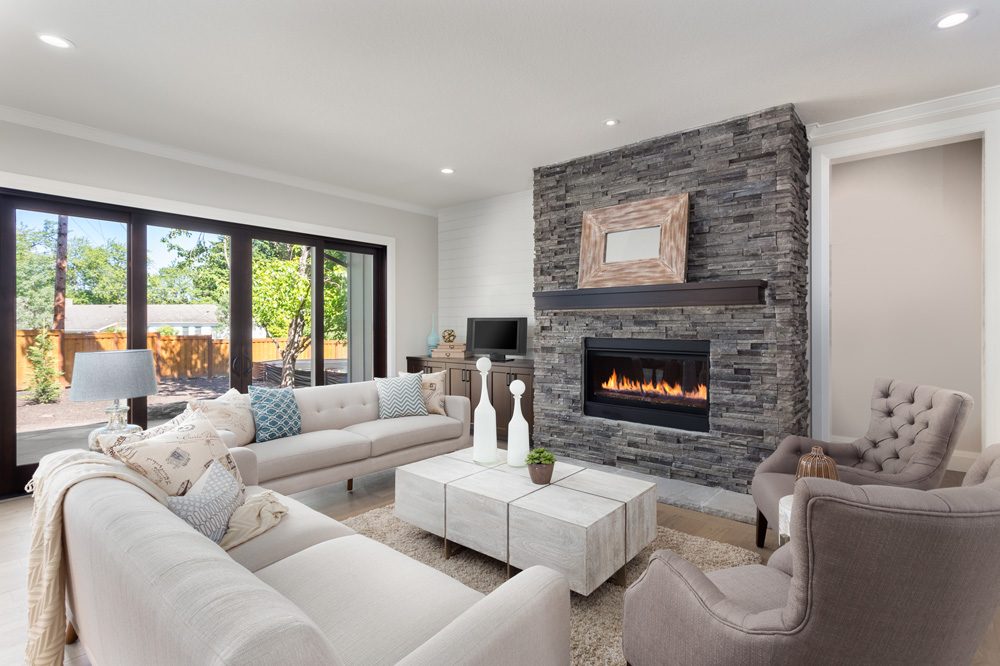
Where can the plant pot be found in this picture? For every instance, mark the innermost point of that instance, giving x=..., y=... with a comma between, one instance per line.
x=541, y=474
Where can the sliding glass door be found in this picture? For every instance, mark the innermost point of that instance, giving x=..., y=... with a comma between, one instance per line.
x=220, y=305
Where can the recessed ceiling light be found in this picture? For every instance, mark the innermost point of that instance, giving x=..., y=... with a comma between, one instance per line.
x=953, y=19
x=610, y=122
x=56, y=41
x=447, y=170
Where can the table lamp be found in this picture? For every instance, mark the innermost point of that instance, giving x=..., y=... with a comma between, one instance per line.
x=112, y=375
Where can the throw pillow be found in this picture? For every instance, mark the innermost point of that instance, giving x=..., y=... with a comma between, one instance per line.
x=400, y=396
x=210, y=503
x=275, y=413
x=433, y=390
x=107, y=441
x=175, y=460
x=231, y=412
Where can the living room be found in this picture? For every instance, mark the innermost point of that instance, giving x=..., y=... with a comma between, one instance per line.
x=190, y=191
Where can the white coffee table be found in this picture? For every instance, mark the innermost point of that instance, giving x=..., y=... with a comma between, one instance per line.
x=586, y=524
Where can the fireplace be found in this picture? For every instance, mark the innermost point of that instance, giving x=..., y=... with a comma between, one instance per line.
x=658, y=382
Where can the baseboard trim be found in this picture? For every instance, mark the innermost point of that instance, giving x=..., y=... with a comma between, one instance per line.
x=961, y=461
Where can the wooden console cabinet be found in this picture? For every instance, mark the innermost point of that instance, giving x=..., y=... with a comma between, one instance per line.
x=464, y=379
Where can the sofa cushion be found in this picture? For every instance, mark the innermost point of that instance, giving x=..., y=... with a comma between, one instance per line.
x=433, y=390
x=375, y=604
x=400, y=396
x=230, y=412
x=300, y=528
x=388, y=435
x=308, y=451
x=755, y=588
x=210, y=503
x=337, y=406
x=176, y=459
x=275, y=413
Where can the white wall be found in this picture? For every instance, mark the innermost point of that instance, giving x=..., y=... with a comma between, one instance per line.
x=486, y=254
x=906, y=278
x=56, y=163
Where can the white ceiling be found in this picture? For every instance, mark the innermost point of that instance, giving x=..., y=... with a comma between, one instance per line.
x=378, y=95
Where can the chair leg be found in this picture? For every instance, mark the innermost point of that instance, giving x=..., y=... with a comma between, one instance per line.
x=761, y=529
x=350, y=485
x=70, y=633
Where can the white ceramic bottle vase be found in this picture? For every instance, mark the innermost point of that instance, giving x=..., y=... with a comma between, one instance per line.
x=484, y=437
x=517, y=432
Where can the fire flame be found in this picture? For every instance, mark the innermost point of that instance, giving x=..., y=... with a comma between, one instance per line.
x=649, y=388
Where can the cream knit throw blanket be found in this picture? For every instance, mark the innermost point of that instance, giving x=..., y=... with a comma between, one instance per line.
x=56, y=474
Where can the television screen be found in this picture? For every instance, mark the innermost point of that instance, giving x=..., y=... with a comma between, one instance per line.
x=496, y=334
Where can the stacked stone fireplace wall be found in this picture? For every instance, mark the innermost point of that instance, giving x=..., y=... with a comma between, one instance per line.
x=748, y=187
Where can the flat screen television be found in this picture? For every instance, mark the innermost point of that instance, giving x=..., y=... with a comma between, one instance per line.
x=497, y=336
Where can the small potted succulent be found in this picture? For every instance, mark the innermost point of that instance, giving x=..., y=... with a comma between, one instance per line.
x=540, y=464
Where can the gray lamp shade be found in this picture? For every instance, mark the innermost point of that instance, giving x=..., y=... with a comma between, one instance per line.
x=112, y=375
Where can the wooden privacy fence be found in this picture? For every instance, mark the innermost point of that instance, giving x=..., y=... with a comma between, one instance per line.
x=176, y=356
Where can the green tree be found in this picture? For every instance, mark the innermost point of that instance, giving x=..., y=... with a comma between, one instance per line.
x=281, y=297
x=96, y=273
x=166, y=329
x=35, y=266
x=43, y=386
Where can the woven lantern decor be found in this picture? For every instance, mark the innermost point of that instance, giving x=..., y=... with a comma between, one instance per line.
x=817, y=464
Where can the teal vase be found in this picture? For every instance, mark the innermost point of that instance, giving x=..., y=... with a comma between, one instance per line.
x=432, y=337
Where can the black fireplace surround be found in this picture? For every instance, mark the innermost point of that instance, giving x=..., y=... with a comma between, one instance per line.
x=657, y=382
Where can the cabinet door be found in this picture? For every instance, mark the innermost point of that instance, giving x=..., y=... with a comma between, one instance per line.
x=414, y=364
x=502, y=400
x=457, y=384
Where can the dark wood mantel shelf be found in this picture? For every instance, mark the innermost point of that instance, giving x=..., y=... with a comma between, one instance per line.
x=728, y=292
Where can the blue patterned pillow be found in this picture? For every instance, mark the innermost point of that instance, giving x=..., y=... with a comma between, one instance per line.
x=400, y=396
x=210, y=503
x=275, y=413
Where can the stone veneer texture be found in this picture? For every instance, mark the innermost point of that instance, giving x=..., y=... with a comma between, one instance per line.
x=747, y=179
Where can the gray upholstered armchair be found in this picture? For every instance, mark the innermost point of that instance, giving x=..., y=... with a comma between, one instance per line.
x=872, y=575
x=911, y=436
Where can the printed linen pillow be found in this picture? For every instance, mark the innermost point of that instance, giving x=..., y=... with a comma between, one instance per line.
x=107, y=441
x=275, y=413
x=210, y=503
x=432, y=390
x=400, y=396
x=231, y=411
x=175, y=460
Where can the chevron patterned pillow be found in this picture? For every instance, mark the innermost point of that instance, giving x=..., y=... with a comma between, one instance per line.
x=400, y=396
x=275, y=413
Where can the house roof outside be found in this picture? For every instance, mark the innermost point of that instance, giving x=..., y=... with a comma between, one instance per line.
x=96, y=318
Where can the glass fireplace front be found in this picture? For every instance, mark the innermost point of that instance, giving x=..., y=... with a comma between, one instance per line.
x=658, y=382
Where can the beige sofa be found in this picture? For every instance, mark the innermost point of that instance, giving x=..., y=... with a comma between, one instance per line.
x=342, y=438
x=145, y=588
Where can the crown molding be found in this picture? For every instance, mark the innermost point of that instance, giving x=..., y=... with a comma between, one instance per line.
x=87, y=133
x=967, y=102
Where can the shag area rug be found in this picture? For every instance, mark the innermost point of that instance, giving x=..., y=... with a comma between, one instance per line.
x=595, y=621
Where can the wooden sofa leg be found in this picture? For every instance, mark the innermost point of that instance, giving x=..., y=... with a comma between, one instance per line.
x=761, y=529
x=70, y=633
x=350, y=485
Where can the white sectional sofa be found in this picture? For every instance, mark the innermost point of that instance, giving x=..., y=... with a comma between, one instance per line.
x=342, y=438
x=146, y=588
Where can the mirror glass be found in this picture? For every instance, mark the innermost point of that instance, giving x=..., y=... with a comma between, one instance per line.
x=632, y=244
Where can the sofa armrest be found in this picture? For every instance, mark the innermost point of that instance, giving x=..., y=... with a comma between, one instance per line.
x=246, y=462
x=785, y=458
x=524, y=621
x=675, y=609
x=459, y=408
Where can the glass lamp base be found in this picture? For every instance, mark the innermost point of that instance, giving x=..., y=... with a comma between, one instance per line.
x=116, y=426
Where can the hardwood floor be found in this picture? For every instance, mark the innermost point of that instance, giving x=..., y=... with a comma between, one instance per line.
x=370, y=492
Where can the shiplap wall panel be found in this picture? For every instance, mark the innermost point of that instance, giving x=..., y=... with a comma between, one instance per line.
x=486, y=261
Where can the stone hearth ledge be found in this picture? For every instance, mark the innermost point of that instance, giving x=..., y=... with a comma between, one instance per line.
x=704, y=499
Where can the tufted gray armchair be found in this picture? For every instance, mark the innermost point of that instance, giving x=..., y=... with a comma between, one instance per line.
x=872, y=575
x=911, y=436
